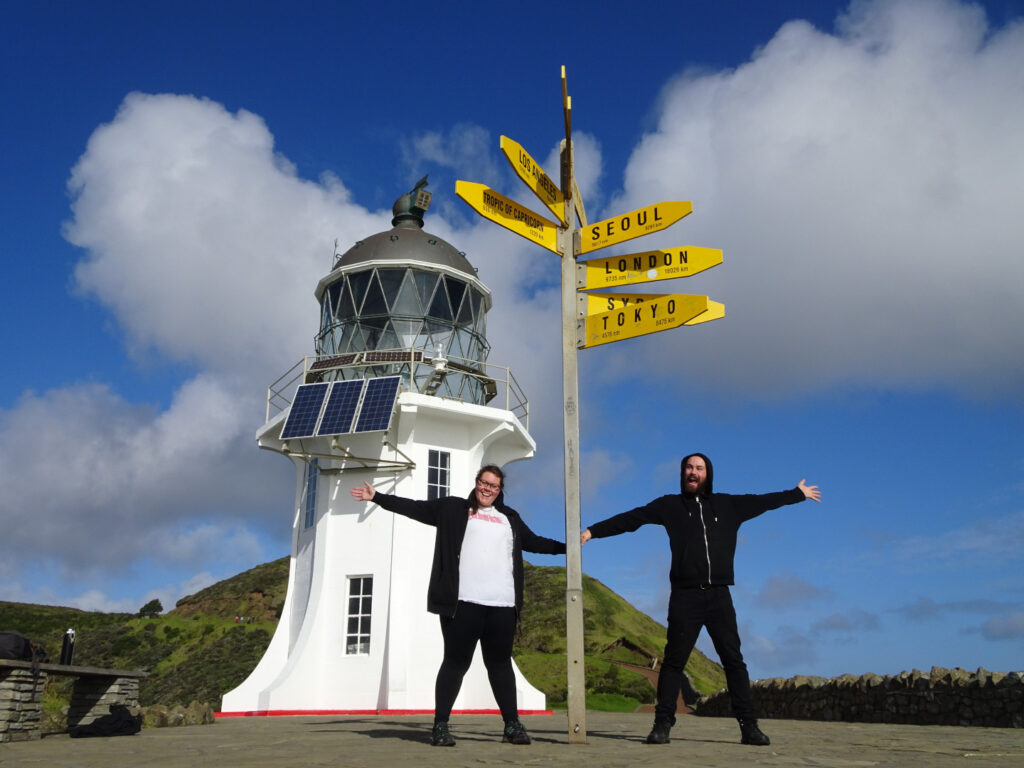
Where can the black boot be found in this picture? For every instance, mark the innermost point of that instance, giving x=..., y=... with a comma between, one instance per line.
x=440, y=736
x=659, y=733
x=753, y=735
x=515, y=733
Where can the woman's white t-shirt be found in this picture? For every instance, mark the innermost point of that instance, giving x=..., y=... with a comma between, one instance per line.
x=485, y=565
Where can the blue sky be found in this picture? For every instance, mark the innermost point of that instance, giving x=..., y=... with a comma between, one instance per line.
x=175, y=176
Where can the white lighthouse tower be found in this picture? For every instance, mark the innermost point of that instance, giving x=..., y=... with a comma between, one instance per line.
x=399, y=394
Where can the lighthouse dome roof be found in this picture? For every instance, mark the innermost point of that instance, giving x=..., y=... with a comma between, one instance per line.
x=405, y=242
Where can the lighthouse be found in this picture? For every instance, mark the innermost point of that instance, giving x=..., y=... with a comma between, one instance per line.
x=399, y=394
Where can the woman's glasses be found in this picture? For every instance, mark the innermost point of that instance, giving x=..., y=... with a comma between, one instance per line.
x=488, y=486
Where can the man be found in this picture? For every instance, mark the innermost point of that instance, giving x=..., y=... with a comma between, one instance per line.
x=701, y=527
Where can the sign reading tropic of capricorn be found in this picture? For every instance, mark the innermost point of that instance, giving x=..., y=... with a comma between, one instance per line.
x=591, y=317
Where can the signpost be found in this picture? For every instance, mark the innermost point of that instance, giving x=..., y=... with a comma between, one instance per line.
x=593, y=319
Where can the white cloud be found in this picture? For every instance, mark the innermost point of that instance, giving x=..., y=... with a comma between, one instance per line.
x=853, y=622
x=95, y=482
x=787, y=590
x=1008, y=627
x=789, y=651
x=864, y=187
x=200, y=239
x=982, y=542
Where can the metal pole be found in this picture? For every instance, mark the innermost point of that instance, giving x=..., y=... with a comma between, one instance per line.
x=576, y=702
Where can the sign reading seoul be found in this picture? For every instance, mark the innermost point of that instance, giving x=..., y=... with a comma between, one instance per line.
x=509, y=214
x=617, y=316
x=651, y=218
x=645, y=267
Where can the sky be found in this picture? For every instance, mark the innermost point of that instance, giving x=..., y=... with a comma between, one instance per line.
x=174, y=178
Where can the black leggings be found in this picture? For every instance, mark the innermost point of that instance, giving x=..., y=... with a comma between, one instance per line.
x=495, y=629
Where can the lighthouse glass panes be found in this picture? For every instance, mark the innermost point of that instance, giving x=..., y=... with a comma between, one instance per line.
x=437, y=474
x=407, y=308
x=360, y=600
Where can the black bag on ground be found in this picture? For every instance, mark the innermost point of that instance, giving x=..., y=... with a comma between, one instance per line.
x=14, y=645
x=120, y=722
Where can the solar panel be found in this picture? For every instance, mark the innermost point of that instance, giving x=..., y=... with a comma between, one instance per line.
x=333, y=362
x=378, y=404
x=305, y=412
x=341, y=407
x=391, y=357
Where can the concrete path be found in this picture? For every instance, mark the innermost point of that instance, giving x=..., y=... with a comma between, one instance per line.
x=613, y=740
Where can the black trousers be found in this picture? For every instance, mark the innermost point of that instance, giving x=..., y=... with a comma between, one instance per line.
x=495, y=630
x=689, y=610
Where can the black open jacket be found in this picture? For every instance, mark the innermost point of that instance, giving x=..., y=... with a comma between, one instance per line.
x=450, y=515
x=701, y=530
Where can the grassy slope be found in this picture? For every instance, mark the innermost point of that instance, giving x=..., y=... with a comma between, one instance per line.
x=197, y=651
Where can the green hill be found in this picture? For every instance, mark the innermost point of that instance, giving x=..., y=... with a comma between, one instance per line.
x=199, y=650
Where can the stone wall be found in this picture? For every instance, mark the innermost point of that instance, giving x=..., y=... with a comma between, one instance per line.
x=20, y=694
x=92, y=697
x=941, y=697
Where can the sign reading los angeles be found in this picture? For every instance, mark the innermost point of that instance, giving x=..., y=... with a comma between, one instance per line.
x=533, y=176
x=616, y=316
x=509, y=214
x=651, y=218
x=646, y=267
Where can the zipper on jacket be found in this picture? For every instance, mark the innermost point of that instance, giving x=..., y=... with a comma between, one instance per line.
x=707, y=549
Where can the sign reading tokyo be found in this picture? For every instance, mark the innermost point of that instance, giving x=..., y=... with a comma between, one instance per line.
x=645, y=267
x=651, y=218
x=509, y=214
x=617, y=316
x=529, y=171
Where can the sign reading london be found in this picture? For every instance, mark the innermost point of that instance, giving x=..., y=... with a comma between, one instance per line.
x=533, y=175
x=617, y=316
x=651, y=218
x=662, y=264
x=509, y=214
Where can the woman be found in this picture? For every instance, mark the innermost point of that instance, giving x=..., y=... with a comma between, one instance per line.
x=476, y=587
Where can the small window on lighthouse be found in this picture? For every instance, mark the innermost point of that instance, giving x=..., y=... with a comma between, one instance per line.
x=360, y=599
x=309, y=493
x=437, y=474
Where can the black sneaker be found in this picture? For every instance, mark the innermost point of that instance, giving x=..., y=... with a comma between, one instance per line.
x=753, y=735
x=440, y=736
x=515, y=733
x=659, y=733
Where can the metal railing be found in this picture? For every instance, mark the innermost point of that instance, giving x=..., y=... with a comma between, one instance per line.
x=498, y=383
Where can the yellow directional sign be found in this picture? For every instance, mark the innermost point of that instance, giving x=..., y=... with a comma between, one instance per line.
x=612, y=317
x=716, y=311
x=529, y=171
x=509, y=214
x=633, y=224
x=662, y=264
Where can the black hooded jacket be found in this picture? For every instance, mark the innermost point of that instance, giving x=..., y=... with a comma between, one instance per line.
x=450, y=516
x=701, y=529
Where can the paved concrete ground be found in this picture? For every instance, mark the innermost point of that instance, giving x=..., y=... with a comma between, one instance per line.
x=613, y=740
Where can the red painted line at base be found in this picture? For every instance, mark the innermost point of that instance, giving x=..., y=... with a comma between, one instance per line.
x=385, y=712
